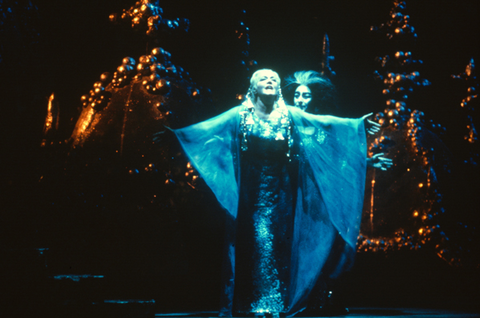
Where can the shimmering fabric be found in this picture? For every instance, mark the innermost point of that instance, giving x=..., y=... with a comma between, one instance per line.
x=265, y=224
x=323, y=194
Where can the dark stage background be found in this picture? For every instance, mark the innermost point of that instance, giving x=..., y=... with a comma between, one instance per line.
x=63, y=47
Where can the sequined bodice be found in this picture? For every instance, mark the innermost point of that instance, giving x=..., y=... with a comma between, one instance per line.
x=276, y=128
x=266, y=140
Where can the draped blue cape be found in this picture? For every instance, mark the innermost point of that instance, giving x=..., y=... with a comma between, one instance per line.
x=329, y=195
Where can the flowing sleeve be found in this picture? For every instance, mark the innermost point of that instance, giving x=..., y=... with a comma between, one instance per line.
x=338, y=163
x=212, y=148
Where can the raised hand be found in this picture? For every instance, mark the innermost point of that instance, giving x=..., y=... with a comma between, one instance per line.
x=158, y=136
x=379, y=162
x=370, y=126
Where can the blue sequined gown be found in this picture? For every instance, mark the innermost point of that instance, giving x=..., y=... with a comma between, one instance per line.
x=265, y=222
x=282, y=216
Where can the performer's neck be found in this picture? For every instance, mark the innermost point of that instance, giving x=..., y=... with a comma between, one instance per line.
x=264, y=106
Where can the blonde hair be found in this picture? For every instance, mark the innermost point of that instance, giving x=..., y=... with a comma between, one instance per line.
x=252, y=92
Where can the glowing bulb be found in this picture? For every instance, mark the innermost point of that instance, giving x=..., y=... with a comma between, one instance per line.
x=420, y=185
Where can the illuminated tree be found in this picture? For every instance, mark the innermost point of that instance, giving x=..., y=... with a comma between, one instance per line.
x=404, y=206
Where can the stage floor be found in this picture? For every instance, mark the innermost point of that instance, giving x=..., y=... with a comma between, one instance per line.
x=362, y=313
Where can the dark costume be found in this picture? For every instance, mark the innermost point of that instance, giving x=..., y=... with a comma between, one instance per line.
x=290, y=186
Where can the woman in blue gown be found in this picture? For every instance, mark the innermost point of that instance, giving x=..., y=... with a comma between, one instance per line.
x=287, y=195
x=313, y=93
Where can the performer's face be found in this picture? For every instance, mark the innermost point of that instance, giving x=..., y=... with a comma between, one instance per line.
x=267, y=83
x=302, y=97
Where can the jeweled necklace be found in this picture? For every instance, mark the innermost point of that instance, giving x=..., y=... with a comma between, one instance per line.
x=278, y=123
